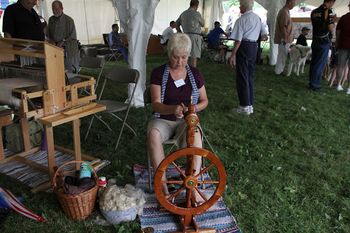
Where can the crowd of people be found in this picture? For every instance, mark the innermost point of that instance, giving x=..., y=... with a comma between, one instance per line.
x=177, y=83
x=171, y=83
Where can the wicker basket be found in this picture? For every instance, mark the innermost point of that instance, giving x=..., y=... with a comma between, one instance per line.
x=77, y=207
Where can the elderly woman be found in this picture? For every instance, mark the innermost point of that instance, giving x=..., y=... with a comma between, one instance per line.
x=173, y=86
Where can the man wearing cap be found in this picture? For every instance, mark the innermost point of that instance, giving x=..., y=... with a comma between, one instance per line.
x=342, y=44
x=322, y=19
x=302, y=37
x=283, y=35
x=214, y=41
x=191, y=22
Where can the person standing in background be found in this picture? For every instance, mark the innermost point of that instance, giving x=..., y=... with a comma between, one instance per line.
x=283, y=35
x=302, y=37
x=167, y=33
x=248, y=28
x=191, y=22
x=21, y=21
x=342, y=45
x=322, y=19
x=61, y=32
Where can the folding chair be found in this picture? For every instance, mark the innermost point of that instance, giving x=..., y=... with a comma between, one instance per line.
x=117, y=75
x=171, y=141
x=93, y=63
x=115, y=54
x=208, y=54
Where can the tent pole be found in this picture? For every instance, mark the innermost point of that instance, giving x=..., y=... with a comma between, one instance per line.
x=86, y=24
x=203, y=9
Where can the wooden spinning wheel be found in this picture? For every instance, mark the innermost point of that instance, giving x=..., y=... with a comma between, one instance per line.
x=181, y=199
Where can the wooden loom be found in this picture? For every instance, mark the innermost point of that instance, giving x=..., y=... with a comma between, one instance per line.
x=190, y=179
x=56, y=104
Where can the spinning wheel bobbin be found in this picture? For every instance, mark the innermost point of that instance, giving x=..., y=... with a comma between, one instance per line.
x=190, y=180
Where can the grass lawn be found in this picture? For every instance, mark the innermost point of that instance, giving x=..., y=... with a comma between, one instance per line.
x=287, y=164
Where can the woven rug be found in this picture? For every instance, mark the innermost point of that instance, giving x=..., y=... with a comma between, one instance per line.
x=218, y=216
x=32, y=177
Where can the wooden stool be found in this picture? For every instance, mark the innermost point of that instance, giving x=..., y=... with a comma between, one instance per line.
x=5, y=119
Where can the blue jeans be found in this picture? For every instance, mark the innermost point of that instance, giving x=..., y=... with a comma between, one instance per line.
x=318, y=62
x=124, y=52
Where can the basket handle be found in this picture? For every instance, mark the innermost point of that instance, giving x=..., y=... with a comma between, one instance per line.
x=67, y=163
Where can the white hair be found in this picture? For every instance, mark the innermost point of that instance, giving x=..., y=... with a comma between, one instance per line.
x=179, y=41
x=247, y=4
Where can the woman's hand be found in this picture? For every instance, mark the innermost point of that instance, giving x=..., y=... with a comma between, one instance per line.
x=180, y=110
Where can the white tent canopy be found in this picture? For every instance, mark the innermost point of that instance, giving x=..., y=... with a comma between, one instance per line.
x=92, y=18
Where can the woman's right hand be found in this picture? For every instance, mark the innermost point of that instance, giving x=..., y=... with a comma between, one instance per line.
x=179, y=111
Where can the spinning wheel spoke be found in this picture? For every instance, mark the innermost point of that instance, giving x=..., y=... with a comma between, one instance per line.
x=172, y=182
x=208, y=182
x=205, y=170
x=174, y=195
x=189, y=198
x=201, y=194
x=178, y=169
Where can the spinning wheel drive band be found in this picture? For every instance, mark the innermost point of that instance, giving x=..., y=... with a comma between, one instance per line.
x=189, y=183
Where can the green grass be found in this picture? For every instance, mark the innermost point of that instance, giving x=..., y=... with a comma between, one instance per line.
x=287, y=164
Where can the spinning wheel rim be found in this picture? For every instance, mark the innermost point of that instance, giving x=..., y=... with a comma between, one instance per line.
x=183, y=153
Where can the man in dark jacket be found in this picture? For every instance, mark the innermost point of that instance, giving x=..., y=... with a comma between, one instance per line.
x=21, y=21
x=322, y=19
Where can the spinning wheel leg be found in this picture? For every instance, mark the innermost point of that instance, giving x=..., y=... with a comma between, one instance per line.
x=190, y=226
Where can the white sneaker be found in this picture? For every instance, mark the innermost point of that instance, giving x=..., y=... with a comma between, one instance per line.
x=339, y=88
x=348, y=92
x=243, y=110
x=251, y=109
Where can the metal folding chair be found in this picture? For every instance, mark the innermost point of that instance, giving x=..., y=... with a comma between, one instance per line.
x=117, y=75
x=93, y=63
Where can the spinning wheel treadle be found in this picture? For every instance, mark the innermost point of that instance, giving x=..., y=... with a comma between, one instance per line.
x=182, y=199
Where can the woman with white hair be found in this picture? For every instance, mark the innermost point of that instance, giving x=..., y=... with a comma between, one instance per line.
x=174, y=86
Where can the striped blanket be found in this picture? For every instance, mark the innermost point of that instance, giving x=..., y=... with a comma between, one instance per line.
x=28, y=175
x=218, y=216
x=32, y=177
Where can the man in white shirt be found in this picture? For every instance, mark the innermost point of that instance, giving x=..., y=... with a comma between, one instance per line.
x=167, y=33
x=247, y=30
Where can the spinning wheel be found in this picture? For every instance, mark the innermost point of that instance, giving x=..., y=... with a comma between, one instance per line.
x=184, y=192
